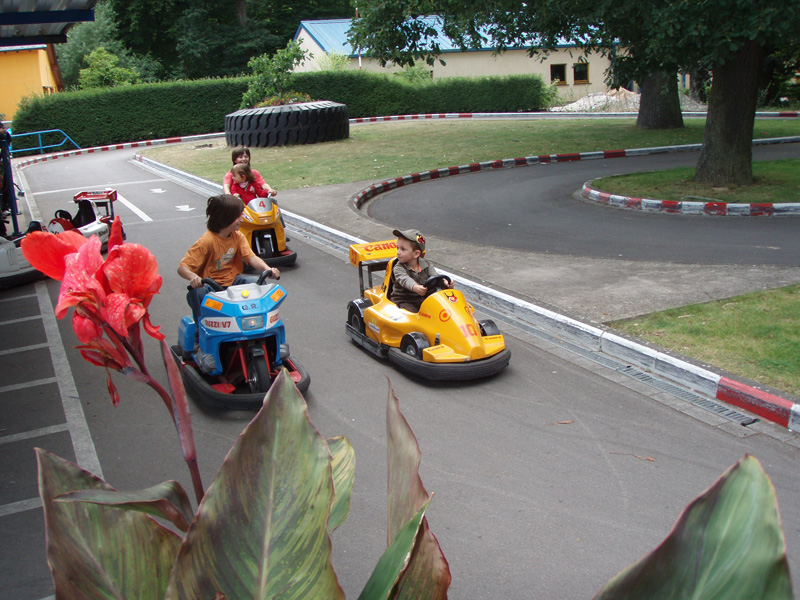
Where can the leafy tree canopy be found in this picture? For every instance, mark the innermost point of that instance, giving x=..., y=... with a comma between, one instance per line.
x=728, y=37
x=209, y=38
x=85, y=37
x=102, y=71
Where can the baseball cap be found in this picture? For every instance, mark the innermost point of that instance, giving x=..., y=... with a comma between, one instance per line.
x=412, y=235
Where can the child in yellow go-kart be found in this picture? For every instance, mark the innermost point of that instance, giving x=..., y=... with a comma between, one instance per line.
x=441, y=338
x=411, y=270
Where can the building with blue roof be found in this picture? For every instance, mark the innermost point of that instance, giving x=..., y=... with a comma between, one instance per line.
x=575, y=74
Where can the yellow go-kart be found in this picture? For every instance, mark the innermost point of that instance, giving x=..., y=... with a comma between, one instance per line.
x=442, y=341
x=262, y=226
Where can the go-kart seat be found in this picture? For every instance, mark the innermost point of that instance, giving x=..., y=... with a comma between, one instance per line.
x=85, y=214
x=390, y=285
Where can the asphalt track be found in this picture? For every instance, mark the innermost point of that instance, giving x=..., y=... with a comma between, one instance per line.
x=536, y=209
x=542, y=479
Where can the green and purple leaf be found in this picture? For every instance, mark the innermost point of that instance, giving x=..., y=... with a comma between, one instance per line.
x=427, y=573
x=97, y=551
x=261, y=530
x=385, y=576
x=728, y=544
x=166, y=500
x=344, y=467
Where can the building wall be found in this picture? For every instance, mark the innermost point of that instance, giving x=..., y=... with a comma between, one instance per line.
x=477, y=63
x=22, y=73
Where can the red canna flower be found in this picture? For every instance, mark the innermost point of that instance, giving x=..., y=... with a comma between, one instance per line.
x=109, y=296
x=46, y=251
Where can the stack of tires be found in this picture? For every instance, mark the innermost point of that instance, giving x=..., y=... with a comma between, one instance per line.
x=289, y=124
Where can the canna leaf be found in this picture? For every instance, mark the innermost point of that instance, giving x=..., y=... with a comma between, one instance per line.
x=427, y=574
x=167, y=500
x=726, y=544
x=96, y=551
x=261, y=529
x=344, y=468
x=384, y=578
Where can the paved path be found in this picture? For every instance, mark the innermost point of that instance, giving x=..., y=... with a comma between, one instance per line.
x=595, y=287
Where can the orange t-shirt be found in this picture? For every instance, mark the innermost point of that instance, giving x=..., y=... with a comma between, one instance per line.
x=217, y=258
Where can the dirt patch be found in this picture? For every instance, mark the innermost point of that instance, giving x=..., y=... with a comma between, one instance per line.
x=620, y=100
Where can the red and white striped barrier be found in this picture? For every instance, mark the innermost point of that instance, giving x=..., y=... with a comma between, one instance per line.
x=686, y=207
x=159, y=142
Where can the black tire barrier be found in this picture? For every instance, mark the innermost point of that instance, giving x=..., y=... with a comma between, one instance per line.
x=287, y=125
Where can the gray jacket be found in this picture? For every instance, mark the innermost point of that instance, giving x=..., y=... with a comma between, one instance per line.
x=405, y=279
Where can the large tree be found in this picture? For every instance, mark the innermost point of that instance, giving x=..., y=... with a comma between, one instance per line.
x=203, y=38
x=655, y=37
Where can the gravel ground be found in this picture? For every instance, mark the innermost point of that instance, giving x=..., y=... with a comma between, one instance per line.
x=619, y=101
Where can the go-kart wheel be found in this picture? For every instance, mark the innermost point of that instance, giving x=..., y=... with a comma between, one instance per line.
x=488, y=327
x=258, y=378
x=436, y=283
x=212, y=284
x=355, y=319
x=413, y=344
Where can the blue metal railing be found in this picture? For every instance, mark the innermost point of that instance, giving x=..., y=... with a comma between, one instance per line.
x=41, y=147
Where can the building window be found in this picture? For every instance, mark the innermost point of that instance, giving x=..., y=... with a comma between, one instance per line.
x=558, y=74
x=580, y=72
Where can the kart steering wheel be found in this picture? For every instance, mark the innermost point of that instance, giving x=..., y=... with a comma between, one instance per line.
x=436, y=283
x=264, y=276
x=213, y=284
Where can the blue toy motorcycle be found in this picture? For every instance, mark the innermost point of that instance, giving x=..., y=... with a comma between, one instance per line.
x=241, y=346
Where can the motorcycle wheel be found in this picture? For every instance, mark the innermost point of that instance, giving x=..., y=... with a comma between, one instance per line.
x=258, y=379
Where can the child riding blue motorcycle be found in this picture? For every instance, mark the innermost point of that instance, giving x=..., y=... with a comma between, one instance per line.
x=234, y=343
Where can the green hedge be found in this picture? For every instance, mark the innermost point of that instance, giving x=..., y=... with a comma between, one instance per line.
x=157, y=110
x=375, y=94
x=131, y=113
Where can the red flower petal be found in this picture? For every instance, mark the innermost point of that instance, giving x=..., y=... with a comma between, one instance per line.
x=114, y=312
x=85, y=328
x=152, y=330
x=132, y=269
x=46, y=251
x=112, y=391
x=115, y=236
x=79, y=283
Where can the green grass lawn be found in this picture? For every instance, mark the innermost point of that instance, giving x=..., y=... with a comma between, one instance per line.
x=777, y=181
x=384, y=150
x=756, y=335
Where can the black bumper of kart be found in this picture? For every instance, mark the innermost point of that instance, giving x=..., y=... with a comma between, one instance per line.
x=476, y=369
x=200, y=385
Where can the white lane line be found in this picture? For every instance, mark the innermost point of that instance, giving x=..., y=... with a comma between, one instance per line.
x=22, y=349
x=34, y=433
x=18, y=507
x=16, y=298
x=142, y=215
x=28, y=384
x=99, y=187
x=82, y=443
x=20, y=320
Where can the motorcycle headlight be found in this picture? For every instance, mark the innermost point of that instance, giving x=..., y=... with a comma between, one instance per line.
x=254, y=322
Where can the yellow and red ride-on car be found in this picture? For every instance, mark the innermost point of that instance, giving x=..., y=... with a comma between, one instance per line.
x=443, y=340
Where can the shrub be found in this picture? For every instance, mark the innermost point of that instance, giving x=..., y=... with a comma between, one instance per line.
x=158, y=110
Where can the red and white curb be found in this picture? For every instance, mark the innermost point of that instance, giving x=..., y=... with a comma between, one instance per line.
x=95, y=149
x=684, y=207
x=702, y=380
x=775, y=209
x=538, y=115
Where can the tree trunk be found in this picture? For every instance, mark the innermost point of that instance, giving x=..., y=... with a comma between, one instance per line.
x=727, y=154
x=241, y=11
x=660, y=104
